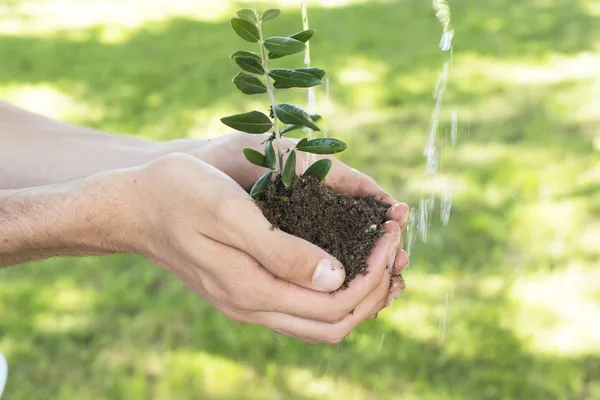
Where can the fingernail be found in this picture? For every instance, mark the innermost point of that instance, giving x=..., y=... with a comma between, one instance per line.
x=329, y=275
x=392, y=257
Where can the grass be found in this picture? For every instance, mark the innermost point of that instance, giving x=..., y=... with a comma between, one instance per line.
x=502, y=304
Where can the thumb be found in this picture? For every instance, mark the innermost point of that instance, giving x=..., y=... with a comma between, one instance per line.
x=288, y=257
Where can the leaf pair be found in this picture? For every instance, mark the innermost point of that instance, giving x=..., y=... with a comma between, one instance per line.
x=319, y=169
x=296, y=78
x=268, y=160
x=246, y=26
x=281, y=46
x=256, y=122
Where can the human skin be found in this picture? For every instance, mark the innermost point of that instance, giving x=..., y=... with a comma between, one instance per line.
x=68, y=190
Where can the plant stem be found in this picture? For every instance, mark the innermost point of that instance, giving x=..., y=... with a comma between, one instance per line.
x=272, y=97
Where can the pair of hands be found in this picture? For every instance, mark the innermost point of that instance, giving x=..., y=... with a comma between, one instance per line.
x=195, y=218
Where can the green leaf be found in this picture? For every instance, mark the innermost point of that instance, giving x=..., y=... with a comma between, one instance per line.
x=303, y=36
x=245, y=29
x=244, y=53
x=293, y=78
x=302, y=142
x=260, y=187
x=322, y=146
x=253, y=122
x=290, y=128
x=284, y=46
x=250, y=64
x=249, y=84
x=289, y=171
x=291, y=114
x=270, y=157
x=320, y=169
x=270, y=15
x=255, y=157
x=316, y=72
x=248, y=15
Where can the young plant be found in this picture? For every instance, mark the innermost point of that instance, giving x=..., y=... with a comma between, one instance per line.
x=249, y=26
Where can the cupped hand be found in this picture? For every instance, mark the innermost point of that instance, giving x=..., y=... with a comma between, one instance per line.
x=200, y=224
x=226, y=154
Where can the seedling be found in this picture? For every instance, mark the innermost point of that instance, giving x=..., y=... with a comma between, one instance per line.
x=282, y=118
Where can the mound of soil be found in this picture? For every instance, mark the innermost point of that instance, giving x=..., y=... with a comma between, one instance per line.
x=345, y=227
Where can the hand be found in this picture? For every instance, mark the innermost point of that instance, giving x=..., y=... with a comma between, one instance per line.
x=226, y=154
x=201, y=225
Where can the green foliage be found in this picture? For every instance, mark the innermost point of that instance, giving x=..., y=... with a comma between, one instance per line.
x=260, y=187
x=249, y=27
x=253, y=122
x=249, y=84
x=322, y=146
x=290, y=78
x=284, y=46
x=250, y=64
x=270, y=15
x=319, y=169
x=256, y=158
x=289, y=171
x=291, y=114
x=245, y=29
x=249, y=15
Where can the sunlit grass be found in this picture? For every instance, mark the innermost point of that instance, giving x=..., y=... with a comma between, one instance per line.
x=501, y=304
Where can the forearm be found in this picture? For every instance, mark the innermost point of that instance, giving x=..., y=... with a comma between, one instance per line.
x=37, y=151
x=76, y=218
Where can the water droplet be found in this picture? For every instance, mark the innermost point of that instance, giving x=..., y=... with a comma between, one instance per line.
x=454, y=130
x=446, y=41
x=446, y=206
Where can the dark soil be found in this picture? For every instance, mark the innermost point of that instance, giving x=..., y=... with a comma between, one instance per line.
x=345, y=227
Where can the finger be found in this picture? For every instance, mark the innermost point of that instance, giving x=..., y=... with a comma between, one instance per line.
x=285, y=256
x=314, y=331
x=397, y=287
x=399, y=212
x=243, y=282
x=344, y=179
x=402, y=262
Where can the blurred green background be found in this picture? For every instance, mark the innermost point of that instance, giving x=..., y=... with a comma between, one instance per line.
x=504, y=303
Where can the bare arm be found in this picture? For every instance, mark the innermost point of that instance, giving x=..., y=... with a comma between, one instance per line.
x=36, y=151
x=74, y=218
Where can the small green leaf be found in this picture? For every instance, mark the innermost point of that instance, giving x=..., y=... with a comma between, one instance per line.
x=260, y=187
x=249, y=84
x=250, y=64
x=248, y=15
x=270, y=15
x=302, y=142
x=289, y=171
x=291, y=128
x=320, y=169
x=293, y=78
x=316, y=72
x=255, y=157
x=253, y=122
x=323, y=146
x=245, y=29
x=304, y=36
x=270, y=157
x=244, y=53
x=284, y=46
x=291, y=114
